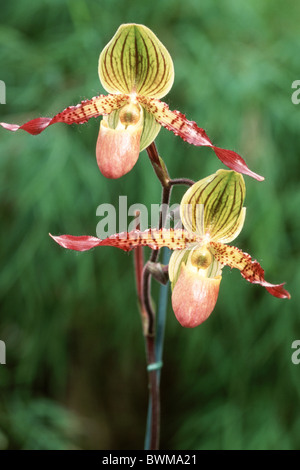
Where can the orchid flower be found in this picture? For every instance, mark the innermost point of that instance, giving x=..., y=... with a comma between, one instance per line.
x=136, y=70
x=212, y=214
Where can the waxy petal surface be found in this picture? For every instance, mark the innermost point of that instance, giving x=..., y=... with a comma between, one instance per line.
x=117, y=150
x=194, y=297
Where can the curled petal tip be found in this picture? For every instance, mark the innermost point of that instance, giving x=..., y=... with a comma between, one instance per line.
x=235, y=162
x=194, y=297
x=71, y=242
x=9, y=127
x=277, y=290
x=259, y=177
x=33, y=127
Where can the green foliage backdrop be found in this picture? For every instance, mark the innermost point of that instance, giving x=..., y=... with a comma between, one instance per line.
x=75, y=373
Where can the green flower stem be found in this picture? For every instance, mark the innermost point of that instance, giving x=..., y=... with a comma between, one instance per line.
x=148, y=317
x=162, y=312
x=144, y=276
x=154, y=346
x=160, y=332
x=138, y=268
x=166, y=193
x=153, y=424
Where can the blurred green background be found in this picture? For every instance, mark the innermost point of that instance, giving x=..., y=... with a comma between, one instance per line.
x=75, y=374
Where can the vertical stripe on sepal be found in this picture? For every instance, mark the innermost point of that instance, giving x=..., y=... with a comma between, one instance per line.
x=222, y=195
x=135, y=61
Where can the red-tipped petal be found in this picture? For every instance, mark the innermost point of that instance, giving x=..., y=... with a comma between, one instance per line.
x=34, y=127
x=97, y=106
x=117, y=150
x=277, y=290
x=250, y=270
x=155, y=239
x=194, y=297
x=71, y=242
x=189, y=131
x=234, y=161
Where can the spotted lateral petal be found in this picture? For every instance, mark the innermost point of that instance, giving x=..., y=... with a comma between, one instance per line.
x=135, y=61
x=155, y=239
x=97, y=106
x=250, y=269
x=221, y=197
x=189, y=131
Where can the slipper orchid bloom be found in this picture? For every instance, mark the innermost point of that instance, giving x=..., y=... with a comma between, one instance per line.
x=212, y=214
x=136, y=70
